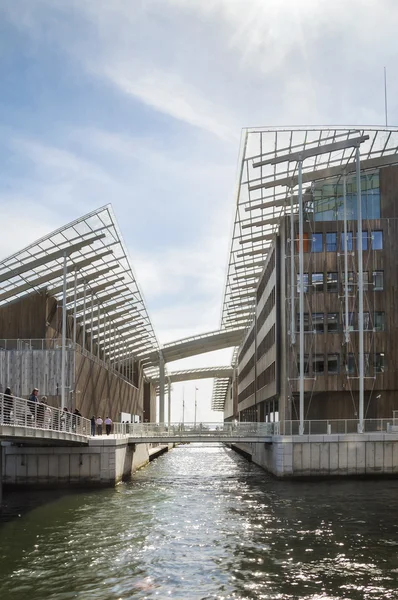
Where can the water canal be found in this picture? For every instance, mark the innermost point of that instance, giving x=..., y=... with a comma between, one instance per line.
x=201, y=523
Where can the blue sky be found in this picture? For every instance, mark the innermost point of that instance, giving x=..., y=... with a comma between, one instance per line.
x=141, y=103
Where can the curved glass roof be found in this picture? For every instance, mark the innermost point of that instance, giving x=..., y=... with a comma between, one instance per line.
x=97, y=258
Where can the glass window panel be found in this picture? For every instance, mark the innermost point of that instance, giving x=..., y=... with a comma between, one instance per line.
x=367, y=365
x=379, y=321
x=317, y=282
x=351, y=282
x=318, y=363
x=318, y=322
x=378, y=281
x=377, y=240
x=306, y=364
x=351, y=367
x=331, y=242
x=333, y=322
x=305, y=283
x=332, y=282
x=367, y=323
x=364, y=240
x=317, y=242
x=365, y=280
x=350, y=321
x=306, y=322
x=333, y=364
x=349, y=241
x=380, y=365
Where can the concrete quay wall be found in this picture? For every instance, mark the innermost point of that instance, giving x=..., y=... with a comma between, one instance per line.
x=104, y=462
x=355, y=455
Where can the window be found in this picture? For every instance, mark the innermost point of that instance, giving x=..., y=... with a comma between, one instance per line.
x=366, y=361
x=318, y=322
x=364, y=240
x=367, y=325
x=378, y=281
x=318, y=364
x=379, y=362
x=331, y=242
x=305, y=283
x=317, y=282
x=351, y=367
x=306, y=322
x=351, y=282
x=379, y=322
x=333, y=364
x=306, y=364
x=350, y=321
x=317, y=242
x=349, y=242
x=333, y=322
x=332, y=282
x=365, y=276
x=377, y=240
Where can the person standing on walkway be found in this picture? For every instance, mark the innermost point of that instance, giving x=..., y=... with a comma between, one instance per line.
x=32, y=404
x=7, y=406
x=99, y=423
x=92, y=421
x=108, y=425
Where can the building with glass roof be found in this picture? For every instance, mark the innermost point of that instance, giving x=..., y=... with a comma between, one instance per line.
x=73, y=321
x=312, y=275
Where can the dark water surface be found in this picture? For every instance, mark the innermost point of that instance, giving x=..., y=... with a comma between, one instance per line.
x=198, y=523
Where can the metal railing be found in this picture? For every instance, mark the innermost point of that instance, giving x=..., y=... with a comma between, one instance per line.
x=334, y=426
x=18, y=412
x=186, y=430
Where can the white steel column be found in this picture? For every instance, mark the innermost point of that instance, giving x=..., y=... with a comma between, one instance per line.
x=161, y=388
x=169, y=401
x=360, y=292
x=63, y=350
x=92, y=319
x=98, y=330
x=84, y=313
x=74, y=311
x=346, y=328
x=301, y=294
x=104, y=348
x=292, y=278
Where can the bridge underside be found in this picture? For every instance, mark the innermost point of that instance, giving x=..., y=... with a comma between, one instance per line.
x=209, y=439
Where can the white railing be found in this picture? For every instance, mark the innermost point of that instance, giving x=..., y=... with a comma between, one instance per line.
x=186, y=430
x=334, y=426
x=18, y=412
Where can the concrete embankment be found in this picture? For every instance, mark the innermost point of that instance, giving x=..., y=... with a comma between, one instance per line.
x=354, y=455
x=103, y=462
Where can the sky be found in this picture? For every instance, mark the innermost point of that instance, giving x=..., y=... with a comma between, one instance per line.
x=141, y=103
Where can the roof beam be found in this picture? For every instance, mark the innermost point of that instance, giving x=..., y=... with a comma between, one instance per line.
x=33, y=264
x=315, y=151
x=308, y=177
x=259, y=238
x=92, y=290
x=271, y=204
x=271, y=221
x=85, y=278
x=43, y=279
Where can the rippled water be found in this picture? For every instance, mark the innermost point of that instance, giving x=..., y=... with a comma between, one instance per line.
x=199, y=523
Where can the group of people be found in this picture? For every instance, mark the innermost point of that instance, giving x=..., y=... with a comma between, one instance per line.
x=97, y=424
x=39, y=414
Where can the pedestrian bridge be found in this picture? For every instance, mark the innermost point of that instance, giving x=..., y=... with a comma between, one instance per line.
x=183, y=433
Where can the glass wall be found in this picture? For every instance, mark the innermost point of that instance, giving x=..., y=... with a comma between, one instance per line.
x=327, y=198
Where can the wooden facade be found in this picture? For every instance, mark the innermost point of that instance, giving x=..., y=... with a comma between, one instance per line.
x=92, y=386
x=331, y=384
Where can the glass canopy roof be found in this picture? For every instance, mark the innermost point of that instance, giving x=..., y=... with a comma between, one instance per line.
x=97, y=257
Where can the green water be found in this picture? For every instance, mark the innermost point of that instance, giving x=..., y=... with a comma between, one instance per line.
x=199, y=523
